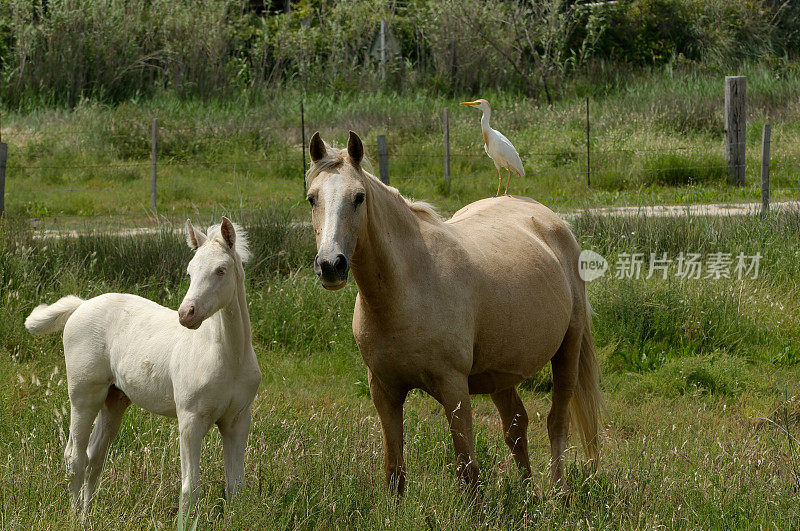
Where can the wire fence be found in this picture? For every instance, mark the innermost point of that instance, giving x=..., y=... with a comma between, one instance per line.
x=429, y=164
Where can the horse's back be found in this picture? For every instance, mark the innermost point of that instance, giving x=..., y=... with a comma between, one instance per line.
x=515, y=229
x=525, y=261
x=103, y=315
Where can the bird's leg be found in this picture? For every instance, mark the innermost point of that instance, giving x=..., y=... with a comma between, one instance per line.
x=508, y=181
x=499, y=182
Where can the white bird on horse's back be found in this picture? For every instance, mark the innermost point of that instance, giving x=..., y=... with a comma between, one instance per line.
x=497, y=146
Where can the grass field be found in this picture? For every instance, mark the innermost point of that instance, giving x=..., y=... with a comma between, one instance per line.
x=701, y=379
x=656, y=138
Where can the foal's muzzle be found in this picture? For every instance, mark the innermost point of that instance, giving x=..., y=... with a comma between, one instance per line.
x=187, y=315
x=332, y=273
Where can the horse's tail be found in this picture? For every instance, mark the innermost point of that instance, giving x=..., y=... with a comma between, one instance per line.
x=46, y=319
x=587, y=401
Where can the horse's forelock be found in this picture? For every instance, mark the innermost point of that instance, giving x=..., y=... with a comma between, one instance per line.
x=241, y=245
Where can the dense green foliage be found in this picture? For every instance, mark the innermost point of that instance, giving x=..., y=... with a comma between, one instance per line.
x=60, y=51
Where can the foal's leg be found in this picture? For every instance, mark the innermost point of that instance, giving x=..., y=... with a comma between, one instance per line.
x=453, y=394
x=106, y=426
x=565, y=378
x=515, y=426
x=192, y=428
x=389, y=404
x=234, y=444
x=85, y=401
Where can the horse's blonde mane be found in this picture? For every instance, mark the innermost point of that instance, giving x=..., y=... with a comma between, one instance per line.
x=336, y=157
x=242, y=244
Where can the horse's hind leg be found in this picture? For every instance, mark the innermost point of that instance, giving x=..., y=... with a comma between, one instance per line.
x=565, y=379
x=515, y=426
x=105, y=431
x=85, y=401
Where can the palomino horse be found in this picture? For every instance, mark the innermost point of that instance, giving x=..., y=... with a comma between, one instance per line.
x=473, y=305
x=196, y=364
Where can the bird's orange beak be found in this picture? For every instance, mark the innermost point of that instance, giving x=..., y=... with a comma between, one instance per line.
x=469, y=103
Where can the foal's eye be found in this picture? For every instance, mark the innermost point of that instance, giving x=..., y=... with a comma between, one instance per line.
x=359, y=198
x=220, y=271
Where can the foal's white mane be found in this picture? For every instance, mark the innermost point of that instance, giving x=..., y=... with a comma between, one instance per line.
x=338, y=156
x=242, y=244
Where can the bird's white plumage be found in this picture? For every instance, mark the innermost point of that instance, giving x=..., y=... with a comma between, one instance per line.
x=503, y=153
x=496, y=145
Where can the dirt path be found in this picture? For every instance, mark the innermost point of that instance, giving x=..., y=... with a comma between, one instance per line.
x=709, y=209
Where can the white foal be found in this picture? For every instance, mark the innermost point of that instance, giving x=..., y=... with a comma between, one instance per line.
x=196, y=364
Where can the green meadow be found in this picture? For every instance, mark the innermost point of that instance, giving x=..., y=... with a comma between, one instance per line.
x=700, y=378
x=655, y=138
x=700, y=374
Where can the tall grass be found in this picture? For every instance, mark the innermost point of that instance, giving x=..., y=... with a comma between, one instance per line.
x=698, y=374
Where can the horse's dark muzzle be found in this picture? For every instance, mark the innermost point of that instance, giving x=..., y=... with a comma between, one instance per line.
x=332, y=273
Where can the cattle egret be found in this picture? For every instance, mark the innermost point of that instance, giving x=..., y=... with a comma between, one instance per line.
x=497, y=146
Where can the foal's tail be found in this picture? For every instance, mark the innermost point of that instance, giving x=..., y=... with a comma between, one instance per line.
x=46, y=319
x=587, y=401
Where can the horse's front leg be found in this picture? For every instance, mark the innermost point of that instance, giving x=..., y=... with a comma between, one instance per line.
x=389, y=404
x=192, y=428
x=234, y=444
x=453, y=393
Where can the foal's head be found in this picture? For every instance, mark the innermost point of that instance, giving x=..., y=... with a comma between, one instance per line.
x=337, y=196
x=215, y=270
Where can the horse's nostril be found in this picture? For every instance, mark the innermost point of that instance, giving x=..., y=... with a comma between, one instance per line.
x=340, y=265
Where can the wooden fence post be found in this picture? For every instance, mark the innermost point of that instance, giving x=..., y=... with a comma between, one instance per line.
x=765, y=169
x=383, y=159
x=153, y=158
x=303, y=134
x=3, y=157
x=588, y=148
x=446, y=126
x=735, y=128
x=383, y=50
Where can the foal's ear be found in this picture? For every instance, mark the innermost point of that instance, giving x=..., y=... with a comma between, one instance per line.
x=194, y=237
x=317, y=148
x=355, y=149
x=228, y=232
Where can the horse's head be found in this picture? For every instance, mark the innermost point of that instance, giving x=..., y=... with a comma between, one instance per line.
x=337, y=197
x=214, y=270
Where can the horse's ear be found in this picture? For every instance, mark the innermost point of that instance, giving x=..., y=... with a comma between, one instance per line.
x=317, y=148
x=228, y=232
x=194, y=237
x=355, y=149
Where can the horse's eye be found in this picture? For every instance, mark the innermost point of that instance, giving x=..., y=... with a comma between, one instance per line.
x=220, y=271
x=359, y=198
x=312, y=200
